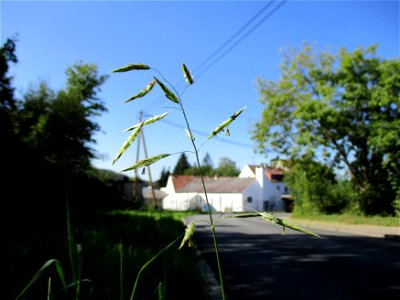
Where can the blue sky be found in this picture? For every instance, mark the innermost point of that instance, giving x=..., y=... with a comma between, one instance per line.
x=54, y=35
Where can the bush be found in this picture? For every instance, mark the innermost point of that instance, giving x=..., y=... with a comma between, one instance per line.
x=315, y=190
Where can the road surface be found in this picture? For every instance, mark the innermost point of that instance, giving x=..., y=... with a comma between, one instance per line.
x=258, y=262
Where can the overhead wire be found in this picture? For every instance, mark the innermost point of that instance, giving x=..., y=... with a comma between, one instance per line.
x=198, y=71
x=241, y=39
x=202, y=133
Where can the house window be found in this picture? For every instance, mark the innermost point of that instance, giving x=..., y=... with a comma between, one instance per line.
x=249, y=199
x=278, y=187
x=286, y=189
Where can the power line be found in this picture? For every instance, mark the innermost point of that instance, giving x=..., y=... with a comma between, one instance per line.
x=233, y=36
x=230, y=39
x=240, y=40
x=202, y=133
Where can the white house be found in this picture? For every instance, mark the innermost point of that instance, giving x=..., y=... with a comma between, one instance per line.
x=256, y=187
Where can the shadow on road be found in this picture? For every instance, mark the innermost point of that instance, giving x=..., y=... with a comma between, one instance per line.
x=272, y=266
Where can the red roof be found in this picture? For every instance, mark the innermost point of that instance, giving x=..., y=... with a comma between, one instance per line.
x=275, y=175
x=193, y=184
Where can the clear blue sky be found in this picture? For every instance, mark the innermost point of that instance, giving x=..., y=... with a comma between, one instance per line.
x=54, y=35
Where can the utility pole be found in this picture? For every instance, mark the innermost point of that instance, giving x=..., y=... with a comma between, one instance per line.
x=154, y=201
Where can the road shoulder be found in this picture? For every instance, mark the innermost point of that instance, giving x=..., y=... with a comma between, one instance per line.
x=391, y=232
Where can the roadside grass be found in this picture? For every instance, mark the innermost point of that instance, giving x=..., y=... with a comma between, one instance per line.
x=349, y=218
x=114, y=248
x=157, y=214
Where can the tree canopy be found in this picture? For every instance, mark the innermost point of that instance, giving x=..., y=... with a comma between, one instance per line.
x=59, y=125
x=182, y=165
x=46, y=149
x=342, y=107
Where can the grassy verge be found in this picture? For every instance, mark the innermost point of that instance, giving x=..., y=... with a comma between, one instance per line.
x=114, y=248
x=351, y=219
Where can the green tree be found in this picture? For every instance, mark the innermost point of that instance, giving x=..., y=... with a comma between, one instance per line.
x=163, y=177
x=182, y=165
x=207, y=161
x=205, y=169
x=346, y=106
x=315, y=188
x=59, y=125
x=7, y=55
x=226, y=167
x=7, y=104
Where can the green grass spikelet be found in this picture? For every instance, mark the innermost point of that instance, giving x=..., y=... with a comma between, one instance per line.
x=131, y=67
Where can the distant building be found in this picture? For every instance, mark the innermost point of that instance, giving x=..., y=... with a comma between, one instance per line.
x=256, y=188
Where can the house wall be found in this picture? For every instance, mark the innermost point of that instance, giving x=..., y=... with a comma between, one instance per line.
x=227, y=202
x=270, y=192
x=265, y=195
x=183, y=202
x=252, y=197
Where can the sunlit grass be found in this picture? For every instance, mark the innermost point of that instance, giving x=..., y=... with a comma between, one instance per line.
x=114, y=250
x=348, y=218
x=176, y=215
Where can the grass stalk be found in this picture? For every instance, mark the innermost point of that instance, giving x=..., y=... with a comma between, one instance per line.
x=212, y=226
x=71, y=250
x=121, y=277
x=196, y=152
x=149, y=262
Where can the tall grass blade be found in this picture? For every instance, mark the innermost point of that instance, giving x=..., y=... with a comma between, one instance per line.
x=49, y=288
x=146, y=162
x=149, y=121
x=46, y=265
x=170, y=95
x=226, y=123
x=128, y=142
x=143, y=92
x=131, y=67
x=121, y=276
x=149, y=262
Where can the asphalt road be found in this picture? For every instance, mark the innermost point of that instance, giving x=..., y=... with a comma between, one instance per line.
x=258, y=262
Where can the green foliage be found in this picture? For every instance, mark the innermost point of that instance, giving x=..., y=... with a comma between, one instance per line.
x=162, y=181
x=346, y=105
x=46, y=265
x=59, y=126
x=226, y=167
x=316, y=190
x=182, y=165
x=46, y=138
x=102, y=243
x=350, y=218
x=7, y=55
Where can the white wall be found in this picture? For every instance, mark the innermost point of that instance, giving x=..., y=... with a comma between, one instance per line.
x=232, y=202
x=254, y=191
x=183, y=201
x=246, y=172
x=261, y=190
